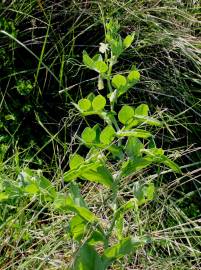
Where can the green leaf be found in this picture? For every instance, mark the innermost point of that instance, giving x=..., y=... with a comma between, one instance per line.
x=133, y=76
x=116, y=46
x=91, y=96
x=88, y=259
x=148, y=120
x=96, y=237
x=116, y=151
x=157, y=155
x=88, y=61
x=97, y=129
x=3, y=196
x=125, y=114
x=128, y=41
x=99, y=175
x=133, y=147
x=46, y=188
x=31, y=189
x=144, y=193
x=77, y=227
x=101, y=67
x=131, y=166
x=75, y=173
x=97, y=57
x=65, y=203
x=88, y=135
x=84, y=104
x=75, y=161
x=119, y=82
x=107, y=135
x=35, y=183
x=142, y=110
x=75, y=194
x=154, y=153
x=124, y=247
x=171, y=164
x=138, y=133
x=99, y=103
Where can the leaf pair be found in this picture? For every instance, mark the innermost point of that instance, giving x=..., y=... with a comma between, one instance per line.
x=130, y=117
x=91, y=170
x=123, y=84
x=89, y=259
x=152, y=156
x=96, y=63
x=94, y=136
x=96, y=104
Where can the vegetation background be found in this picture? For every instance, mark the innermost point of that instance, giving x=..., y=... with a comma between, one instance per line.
x=41, y=44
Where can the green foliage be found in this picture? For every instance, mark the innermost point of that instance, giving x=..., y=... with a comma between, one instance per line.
x=116, y=151
x=133, y=157
x=24, y=88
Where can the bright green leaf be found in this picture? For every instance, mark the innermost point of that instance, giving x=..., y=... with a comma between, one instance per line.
x=144, y=192
x=138, y=133
x=142, y=110
x=123, y=248
x=96, y=237
x=101, y=66
x=107, y=135
x=3, y=196
x=133, y=76
x=131, y=166
x=97, y=57
x=88, y=135
x=87, y=60
x=99, y=175
x=88, y=259
x=75, y=173
x=126, y=113
x=77, y=226
x=99, y=103
x=148, y=120
x=133, y=147
x=31, y=189
x=75, y=194
x=66, y=203
x=75, y=161
x=128, y=41
x=84, y=104
x=171, y=164
x=119, y=82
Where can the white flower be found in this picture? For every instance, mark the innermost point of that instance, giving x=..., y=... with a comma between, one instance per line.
x=103, y=47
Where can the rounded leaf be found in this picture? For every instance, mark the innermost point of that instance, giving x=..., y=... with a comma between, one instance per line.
x=101, y=66
x=125, y=114
x=87, y=60
x=107, y=135
x=98, y=103
x=119, y=81
x=128, y=41
x=133, y=76
x=75, y=161
x=84, y=104
x=142, y=109
x=88, y=135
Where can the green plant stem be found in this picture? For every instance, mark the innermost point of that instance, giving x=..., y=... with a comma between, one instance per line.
x=114, y=204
